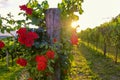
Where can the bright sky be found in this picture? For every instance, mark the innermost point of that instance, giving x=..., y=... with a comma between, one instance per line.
x=95, y=13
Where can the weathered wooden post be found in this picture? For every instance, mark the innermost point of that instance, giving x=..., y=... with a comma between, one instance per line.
x=53, y=31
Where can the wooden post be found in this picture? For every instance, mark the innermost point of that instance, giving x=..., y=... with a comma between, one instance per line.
x=53, y=31
x=53, y=23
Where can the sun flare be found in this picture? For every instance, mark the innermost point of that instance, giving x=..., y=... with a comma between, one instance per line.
x=75, y=24
x=78, y=29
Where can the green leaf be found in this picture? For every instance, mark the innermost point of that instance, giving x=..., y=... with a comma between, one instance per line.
x=52, y=61
x=35, y=3
x=8, y=30
x=45, y=4
x=51, y=69
x=21, y=13
x=2, y=30
x=37, y=44
x=71, y=57
x=76, y=18
x=35, y=20
x=46, y=46
x=80, y=11
x=0, y=22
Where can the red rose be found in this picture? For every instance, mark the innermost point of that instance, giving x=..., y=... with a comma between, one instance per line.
x=29, y=79
x=29, y=11
x=74, y=39
x=40, y=59
x=23, y=7
x=22, y=39
x=41, y=66
x=29, y=42
x=21, y=61
x=50, y=54
x=54, y=40
x=26, y=9
x=26, y=38
x=22, y=31
x=33, y=34
x=1, y=44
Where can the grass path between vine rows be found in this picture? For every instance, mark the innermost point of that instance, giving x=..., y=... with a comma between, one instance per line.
x=92, y=65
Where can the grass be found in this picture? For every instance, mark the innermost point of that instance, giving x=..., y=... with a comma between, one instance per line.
x=9, y=73
x=91, y=64
x=80, y=67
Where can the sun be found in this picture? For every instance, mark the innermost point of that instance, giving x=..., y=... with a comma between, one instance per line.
x=76, y=25
x=78, y=29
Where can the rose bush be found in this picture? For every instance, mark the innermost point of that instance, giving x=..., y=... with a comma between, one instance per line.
x=39, y=61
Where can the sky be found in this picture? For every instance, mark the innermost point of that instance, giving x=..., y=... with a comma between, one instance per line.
x=95, y=12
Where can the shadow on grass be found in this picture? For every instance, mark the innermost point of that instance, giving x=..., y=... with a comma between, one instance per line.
x=103, y=66
x=3, y=69
x=8, y=73
x=14, y=75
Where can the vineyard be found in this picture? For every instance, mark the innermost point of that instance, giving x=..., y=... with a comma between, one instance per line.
x=55, y=50
x=105, y=37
